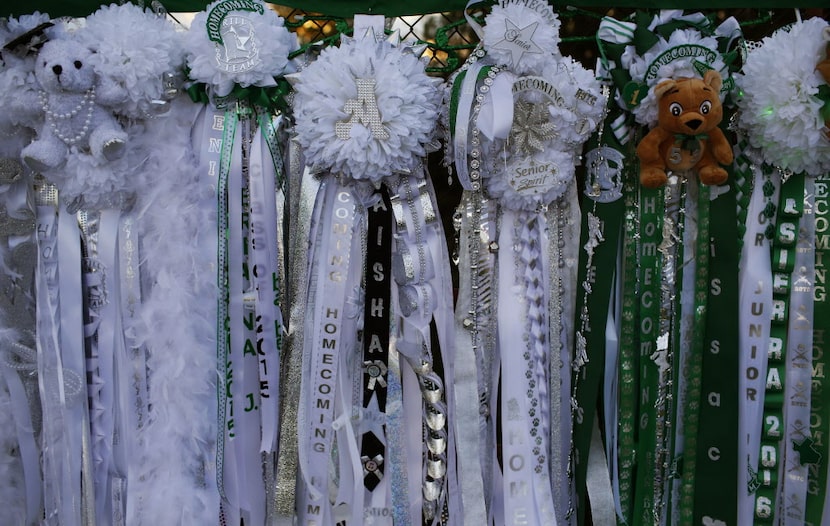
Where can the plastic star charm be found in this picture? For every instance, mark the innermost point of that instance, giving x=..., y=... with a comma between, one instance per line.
x=518, y=41
x=531, y=127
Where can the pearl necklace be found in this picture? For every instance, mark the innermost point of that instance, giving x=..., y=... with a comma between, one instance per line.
x=54, y=118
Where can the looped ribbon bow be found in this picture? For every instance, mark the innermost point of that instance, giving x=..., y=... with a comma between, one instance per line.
x=270, y=97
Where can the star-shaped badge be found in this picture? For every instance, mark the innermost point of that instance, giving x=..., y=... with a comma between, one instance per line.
x=518, y=41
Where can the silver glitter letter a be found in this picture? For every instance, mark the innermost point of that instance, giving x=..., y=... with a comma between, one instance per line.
x=363, y=109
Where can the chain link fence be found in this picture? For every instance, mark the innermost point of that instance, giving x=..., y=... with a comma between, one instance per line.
x=450, y=39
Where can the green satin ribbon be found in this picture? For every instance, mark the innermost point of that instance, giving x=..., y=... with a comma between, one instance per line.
x=783, y=261
x=198, y=94
x=650, y=275
x=715, y=472
x=694, y=363
x=820, y=394
x=595, y=302
x=629, y=358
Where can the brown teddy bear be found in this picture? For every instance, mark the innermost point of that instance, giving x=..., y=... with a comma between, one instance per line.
x=687, y=134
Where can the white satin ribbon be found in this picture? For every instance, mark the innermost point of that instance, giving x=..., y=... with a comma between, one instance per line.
x=616, y=31
x=64, y=503
x=133, y=395
x=467, y=418
x=598, y=482
x=526, y=495
x=799, y=365
x=323, y=347
x=495, y=118
x=472, y=21
x=611, y=389
x=243, y=467
x=755, y=282
x=263, y=253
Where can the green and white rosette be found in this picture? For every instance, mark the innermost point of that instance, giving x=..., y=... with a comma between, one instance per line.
x=783, y=118
x=519, y=116
x=377, y=433
x=237, y=53
x=664, y=419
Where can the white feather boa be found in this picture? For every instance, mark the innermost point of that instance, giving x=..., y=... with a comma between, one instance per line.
x=407, y=101
x=12, y=485
x=779, y=107
x=178, y=230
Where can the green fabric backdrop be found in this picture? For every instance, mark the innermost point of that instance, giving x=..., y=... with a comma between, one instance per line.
x=387, y=7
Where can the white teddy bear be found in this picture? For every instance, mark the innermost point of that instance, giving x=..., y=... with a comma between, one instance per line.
x=74, y=100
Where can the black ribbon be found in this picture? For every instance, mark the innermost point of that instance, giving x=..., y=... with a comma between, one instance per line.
x=376, y=329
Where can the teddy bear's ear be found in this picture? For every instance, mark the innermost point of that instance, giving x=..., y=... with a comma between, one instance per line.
x=663, y=87
x=712, y=78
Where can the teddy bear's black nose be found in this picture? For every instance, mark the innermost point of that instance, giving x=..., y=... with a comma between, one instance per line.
x=57, y=69
x=694, y=123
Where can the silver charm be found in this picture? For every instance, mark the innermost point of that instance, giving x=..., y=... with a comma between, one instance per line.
x=532, y=127
x=376, y=369
x=604, y=181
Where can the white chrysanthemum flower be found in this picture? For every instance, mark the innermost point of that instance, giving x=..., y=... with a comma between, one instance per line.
x=365, y=109
x=254, y=49
x=584, y=104
x=515, y=27
x=134, y=48
x=658, y=64
x=780, y=109
x=23, y=23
